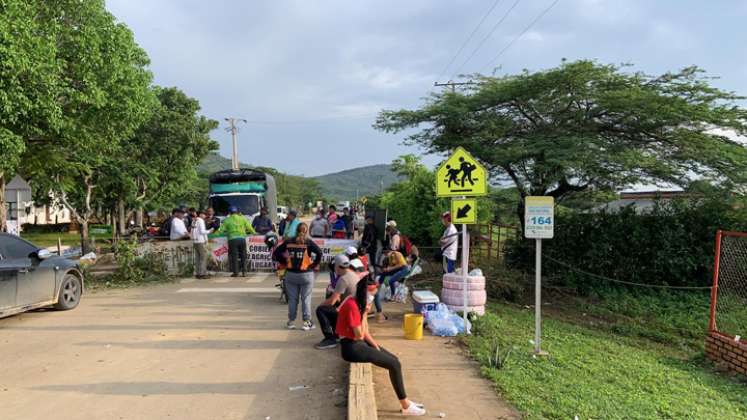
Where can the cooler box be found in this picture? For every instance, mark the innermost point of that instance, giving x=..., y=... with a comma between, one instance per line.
x=424, y=300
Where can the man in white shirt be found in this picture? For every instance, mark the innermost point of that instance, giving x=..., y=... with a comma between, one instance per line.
x=449, y=243
x=178, y=229
x=200, y=241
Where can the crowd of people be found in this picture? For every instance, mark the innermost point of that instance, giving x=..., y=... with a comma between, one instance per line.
x=357, y=276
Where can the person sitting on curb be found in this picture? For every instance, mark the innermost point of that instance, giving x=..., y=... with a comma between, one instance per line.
x=326, y=312
x=357, y=345
x=237, y=228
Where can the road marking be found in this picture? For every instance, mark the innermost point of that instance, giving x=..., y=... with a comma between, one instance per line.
x=235, y=290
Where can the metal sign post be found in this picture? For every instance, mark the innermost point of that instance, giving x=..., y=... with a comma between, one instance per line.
x=465, y=268
x=539, y=222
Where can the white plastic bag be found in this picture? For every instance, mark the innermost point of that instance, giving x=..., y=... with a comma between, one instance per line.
x=443, y=327
x=400, y=293
x=475, y=273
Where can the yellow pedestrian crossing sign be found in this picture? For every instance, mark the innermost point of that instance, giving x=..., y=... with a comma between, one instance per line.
x=464, y=211
x=461, y=175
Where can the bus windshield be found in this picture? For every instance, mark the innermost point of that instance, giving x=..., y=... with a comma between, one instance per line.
x=246, y=203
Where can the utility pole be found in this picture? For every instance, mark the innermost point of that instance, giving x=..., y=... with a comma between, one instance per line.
x=234, y=132
x=453, y=85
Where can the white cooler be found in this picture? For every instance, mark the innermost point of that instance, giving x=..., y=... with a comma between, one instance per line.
x=424, y=300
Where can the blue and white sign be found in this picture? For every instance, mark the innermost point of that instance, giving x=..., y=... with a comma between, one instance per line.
x=539, y=217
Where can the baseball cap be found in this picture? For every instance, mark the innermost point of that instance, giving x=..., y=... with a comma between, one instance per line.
x=233, y=209
x=356, y=264
x=342, y=261
x=391, y=224
x=351, y=250
x=292, y=212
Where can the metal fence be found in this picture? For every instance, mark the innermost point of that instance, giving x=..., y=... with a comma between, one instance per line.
x=489, y=240
x=729, y=292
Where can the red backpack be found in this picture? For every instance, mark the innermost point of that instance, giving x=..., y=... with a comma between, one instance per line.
x=405, y=245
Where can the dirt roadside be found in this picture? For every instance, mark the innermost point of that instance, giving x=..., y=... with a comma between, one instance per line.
x=437, y=374
x=214, y=349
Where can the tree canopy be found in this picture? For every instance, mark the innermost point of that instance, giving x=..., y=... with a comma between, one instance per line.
x=586, y=126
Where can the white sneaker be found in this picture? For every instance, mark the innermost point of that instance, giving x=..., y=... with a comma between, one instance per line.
x=307, y=325
x=413, y=410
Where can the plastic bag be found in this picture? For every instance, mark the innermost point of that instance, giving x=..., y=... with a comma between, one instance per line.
x=443, y=327
x=400, y=293
x=475, y=273
x=441, y=312
x=385, y=291
x=459, y=324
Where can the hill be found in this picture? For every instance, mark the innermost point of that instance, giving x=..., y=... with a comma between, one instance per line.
x=367, y=180
x=214, y=162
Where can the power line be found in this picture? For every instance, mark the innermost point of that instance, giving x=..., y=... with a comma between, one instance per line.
x=505, y=15
x=536, y=19
x=469, y=38
x=309, y=121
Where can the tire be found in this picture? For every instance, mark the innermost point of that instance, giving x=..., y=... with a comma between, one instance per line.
x=71, y=290
x=459, y=285
x=456, y=297
x=456, y=278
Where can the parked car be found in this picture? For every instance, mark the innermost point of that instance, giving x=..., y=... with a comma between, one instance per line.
x=31, y=277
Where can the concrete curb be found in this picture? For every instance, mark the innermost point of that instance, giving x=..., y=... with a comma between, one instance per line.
x=361, y=396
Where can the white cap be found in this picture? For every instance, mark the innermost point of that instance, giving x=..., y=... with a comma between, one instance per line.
x=391, y=224
x=351, y=250
x=342, y=261
x=356, y=264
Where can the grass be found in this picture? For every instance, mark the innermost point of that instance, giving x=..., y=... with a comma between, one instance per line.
x=50, y=239
x=619, y=360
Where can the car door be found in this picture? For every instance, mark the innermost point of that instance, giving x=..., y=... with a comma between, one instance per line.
x=35, y=281
x=8, y=284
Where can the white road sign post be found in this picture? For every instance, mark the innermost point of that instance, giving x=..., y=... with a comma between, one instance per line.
x=539, y=223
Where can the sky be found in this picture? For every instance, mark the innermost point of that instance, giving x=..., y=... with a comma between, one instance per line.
x=310, y=76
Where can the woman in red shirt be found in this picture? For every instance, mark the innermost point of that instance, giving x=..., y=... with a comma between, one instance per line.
x=358, y=346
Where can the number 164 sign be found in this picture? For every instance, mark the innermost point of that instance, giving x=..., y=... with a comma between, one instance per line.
x=539, y=217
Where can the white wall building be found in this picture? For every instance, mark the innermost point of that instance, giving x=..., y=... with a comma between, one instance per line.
x=21, y=208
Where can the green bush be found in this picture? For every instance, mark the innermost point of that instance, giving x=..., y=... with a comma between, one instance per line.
x=134, y=269
x=672, y=245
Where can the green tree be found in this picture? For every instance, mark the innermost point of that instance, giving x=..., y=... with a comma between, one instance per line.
x=29, y=86
x=105, y=97
x=585, y=126
x=158, y=163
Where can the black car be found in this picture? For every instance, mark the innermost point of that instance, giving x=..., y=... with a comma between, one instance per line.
x=32, y=277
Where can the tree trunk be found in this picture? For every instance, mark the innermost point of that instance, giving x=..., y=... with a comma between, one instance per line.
x=121, y=216
x=3, y=215
x=85, y=244
x=520, y=213
x=139, y=217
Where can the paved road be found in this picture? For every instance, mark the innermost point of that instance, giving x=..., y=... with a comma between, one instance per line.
x=212, y=349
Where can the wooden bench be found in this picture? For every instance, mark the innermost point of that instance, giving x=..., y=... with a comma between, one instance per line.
x=361, y=397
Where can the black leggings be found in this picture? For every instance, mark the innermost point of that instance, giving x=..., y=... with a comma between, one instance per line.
x=358, y=351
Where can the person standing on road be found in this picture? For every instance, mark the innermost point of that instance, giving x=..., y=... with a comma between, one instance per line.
x=291, y=225
x=370, y=239
x=326, y=312
x=449, y=243
x=331, y=218
x=319, y=227
x=347, y=218
x=211, y=222
x=178, y=228
x=262, y=223
x=237, y=228
x=301, y=256
x=357, y=345
x=199, y=242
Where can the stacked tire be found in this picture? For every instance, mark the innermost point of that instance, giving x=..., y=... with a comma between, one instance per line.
x=452, y=293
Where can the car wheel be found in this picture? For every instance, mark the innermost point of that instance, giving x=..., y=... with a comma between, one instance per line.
x=70, y=292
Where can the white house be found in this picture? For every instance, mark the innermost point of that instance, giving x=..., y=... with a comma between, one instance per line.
x=21, y=208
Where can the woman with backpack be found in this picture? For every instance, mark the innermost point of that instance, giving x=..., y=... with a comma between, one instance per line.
x=357, y=345
x=301, y=257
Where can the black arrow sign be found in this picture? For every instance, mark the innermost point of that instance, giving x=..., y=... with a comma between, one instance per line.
x=464, y=211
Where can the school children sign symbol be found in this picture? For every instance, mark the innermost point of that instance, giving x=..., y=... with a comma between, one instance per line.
x=461, y=175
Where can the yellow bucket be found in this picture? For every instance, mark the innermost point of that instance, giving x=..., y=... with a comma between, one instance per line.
x=413, y=326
